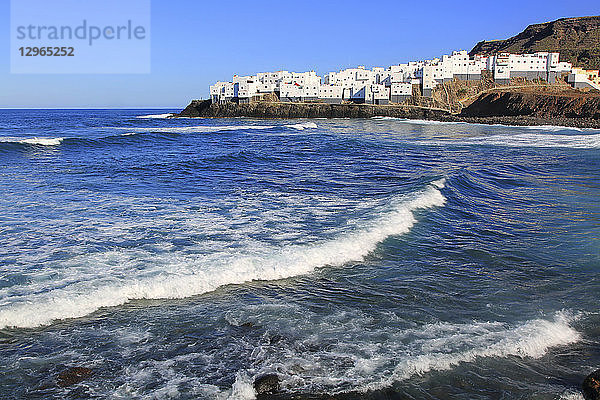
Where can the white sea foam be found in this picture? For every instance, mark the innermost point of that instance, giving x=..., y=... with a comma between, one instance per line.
x=553, y=128
x=40, y=141
x=156, y=116
x=580, y=141
x=571, y=395
x=418, y=121
x=186, y=275
x=217, y=128
x=302, y=126
x=348, y=352
x=242, y=388
x=200, y=129
x=531, y=339
x=547, y=128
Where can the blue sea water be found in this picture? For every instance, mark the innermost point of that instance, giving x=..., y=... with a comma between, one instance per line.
x=181, y=258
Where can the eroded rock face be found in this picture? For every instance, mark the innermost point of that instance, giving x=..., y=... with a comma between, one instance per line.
x=591, y=386
x=267, y=384
x=568, y=104
x=73, y=375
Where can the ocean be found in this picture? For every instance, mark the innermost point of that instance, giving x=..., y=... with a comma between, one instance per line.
x=379, y=258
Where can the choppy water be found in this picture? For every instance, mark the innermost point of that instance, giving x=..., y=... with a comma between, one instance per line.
x=408, y=259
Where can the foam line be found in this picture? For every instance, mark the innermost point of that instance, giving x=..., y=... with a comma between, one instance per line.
x=531, y=339
x=217, y=128
x=156, y=116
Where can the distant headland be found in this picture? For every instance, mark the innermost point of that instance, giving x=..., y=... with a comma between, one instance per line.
x=534, y=78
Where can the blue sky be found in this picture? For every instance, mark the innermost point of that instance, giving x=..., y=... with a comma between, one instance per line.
x=194, y=43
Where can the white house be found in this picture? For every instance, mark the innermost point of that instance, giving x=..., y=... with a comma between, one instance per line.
x=540, y=65
x=400, y=91
x=380, y=85
x=582, y=79
x=244, y=88
x=332, y=94
x=294, y=92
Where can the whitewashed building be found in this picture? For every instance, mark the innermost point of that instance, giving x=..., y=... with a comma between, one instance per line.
x=295, y=92
x=302, y=86
x=400, y=91
x=332, y=94
x=541, y=65
x=245, y=88
x=217, y=91
x=395, y=83
x=584, y=79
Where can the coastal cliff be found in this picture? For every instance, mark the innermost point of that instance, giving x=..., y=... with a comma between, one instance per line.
x=535, y=107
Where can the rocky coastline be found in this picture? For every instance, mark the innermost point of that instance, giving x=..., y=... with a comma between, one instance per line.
x=505, y=107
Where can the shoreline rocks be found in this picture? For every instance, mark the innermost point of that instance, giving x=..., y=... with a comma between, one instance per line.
x=271, y=110
x=521, y=109
x=266, y=384
x=73, y=375
x=591, y=386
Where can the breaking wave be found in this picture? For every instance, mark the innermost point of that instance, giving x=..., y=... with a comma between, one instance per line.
x=580, y=141
x=207, y=273
x=547, y=128
x=306, y=125
x=530, y=339
x=38, y=141
x=219, y=128
x=156, y=116
x=317, y=359
x=133, y=131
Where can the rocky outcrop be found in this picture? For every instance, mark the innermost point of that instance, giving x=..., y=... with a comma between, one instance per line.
x=568, y=104
x=204, y=108
x=73, y=375
x=576, y=39
x=497, y=107
x=266, y=385
x=591, y=386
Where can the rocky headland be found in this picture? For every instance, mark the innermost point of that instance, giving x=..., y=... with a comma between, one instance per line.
x=520, y=103
x=530, y=106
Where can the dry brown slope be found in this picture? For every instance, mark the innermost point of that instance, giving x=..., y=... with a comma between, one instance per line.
x=576, y=39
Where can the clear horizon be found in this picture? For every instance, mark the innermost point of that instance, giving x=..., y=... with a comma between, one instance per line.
x=194, y=45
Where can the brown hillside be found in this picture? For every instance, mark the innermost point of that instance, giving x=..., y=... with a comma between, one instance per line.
x=576, y=39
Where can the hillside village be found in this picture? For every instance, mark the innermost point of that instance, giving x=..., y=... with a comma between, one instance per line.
x=397, y=83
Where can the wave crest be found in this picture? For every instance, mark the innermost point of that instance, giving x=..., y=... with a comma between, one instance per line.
x=39, y=141
x=207, y=273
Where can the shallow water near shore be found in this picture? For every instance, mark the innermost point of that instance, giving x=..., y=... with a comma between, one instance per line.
x=181, y=258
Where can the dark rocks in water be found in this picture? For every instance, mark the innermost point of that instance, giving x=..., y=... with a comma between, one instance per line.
x=207, y=109
x=591, y=386
x=580, y=110
x=72, y=376
x=267, y=384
